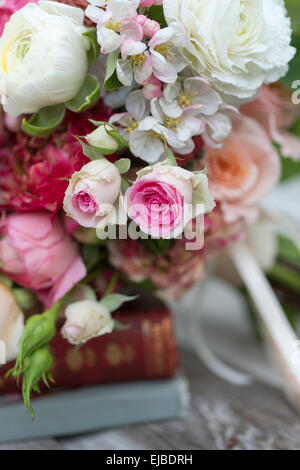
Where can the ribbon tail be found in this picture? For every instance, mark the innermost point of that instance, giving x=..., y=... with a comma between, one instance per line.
x=283, y=342
x=215, y=365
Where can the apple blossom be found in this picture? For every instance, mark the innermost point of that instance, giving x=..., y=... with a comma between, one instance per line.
x=115, y=23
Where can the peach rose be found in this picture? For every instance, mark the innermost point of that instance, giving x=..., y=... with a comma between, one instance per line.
x=274, y=110
x=244, y=170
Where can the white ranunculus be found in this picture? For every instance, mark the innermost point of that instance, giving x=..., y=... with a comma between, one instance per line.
x=43, y=57
x=85, y=320
x=238, y=44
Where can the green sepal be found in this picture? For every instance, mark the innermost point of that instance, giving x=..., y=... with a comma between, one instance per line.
x=120, y=327
x=114, y=301
x=123, y=165
x=112, y=131
x=87, y=96
x=111, y=81
x=45, y=121
x=37, y=368
x=94, y=153
x=94, y=50
x=170, y=154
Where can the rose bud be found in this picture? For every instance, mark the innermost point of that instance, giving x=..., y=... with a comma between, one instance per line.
x=11, y=323
x=101, y=139
x=92, y=193
x=86, y=320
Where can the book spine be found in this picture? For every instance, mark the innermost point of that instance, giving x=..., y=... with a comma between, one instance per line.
x=146, y=350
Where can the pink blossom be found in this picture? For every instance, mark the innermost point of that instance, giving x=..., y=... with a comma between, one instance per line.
x=152, y=88
x=8, y=7
x=150, y=27
x=274, y=110
x=36, y=253
x=243, y=171
x=150, y=3
x=172, y=273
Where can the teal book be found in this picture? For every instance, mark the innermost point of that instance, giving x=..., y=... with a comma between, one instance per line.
x=65, y=413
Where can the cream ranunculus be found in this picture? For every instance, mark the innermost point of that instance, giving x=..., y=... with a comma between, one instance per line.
x=11, y=323
x=238, y=44
x=43, y=57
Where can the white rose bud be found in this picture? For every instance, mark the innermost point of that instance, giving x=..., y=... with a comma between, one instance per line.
x=100, y=138
x=43, y=57
x=92, y=194
x=86, y=320
x=11, y=323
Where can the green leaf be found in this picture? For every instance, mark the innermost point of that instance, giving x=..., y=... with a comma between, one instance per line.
x=115, y=301
x=111, y=81
x=294, y=13
x=45, y=121
x=87, y=96
x=94, y=50
x=156, y=12
x=123, y=165
x=288, y=252
x=157, y=247
x=94, y=153
x=124, y=185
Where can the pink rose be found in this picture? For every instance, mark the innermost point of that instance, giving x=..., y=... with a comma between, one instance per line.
x=274, y=110
x=92, y=193
x=8, y=7
x=165, y=198
x=244, y=170
x=36, y=253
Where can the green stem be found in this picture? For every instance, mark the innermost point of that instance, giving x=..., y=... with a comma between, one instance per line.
x=112, y=284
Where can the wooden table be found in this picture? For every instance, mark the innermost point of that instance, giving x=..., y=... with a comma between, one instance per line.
x=221, y=417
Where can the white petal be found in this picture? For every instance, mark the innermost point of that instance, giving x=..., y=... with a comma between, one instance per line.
x=124, y=72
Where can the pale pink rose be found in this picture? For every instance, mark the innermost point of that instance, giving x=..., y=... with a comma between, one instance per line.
x=243, y=171
x=8, y=7
x=274, y=110
x=92, y=193
x=164, y=199
x=36, y=253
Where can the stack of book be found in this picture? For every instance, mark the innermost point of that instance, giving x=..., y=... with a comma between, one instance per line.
x=124, y=378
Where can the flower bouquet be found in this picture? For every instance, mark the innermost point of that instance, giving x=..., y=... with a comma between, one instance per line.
x=136, y=142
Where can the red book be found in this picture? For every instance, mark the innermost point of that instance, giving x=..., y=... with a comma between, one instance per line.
x=145, y=351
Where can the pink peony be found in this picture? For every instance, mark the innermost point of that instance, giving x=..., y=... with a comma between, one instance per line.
x=34, y=172
x=36, y=253
x=164, y=199
x=244, y=170
x=8, y=7
x=172, y=273
x=274, y=110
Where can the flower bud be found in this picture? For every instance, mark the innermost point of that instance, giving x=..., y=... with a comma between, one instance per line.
x=37, y=368
x=100, y=138
x=86, y=320
x=11, y=322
